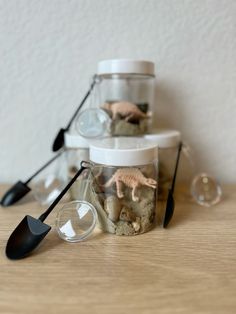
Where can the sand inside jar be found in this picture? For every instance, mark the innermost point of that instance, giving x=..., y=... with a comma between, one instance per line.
x=123, y=216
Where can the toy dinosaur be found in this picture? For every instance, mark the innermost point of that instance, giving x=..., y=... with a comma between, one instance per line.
x=131, y=177
x=125, y=109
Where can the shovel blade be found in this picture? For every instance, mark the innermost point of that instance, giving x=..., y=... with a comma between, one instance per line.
x=14, y=194
x=170, y=206
x=26, y=237
x=59, y=140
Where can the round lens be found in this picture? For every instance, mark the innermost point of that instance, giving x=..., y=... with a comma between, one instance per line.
x=205, y=190
x=92, y=123
x=75, y=221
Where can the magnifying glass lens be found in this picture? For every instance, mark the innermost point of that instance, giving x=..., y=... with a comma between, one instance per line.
x=75, y=221
x=205, y=190
x=92, y=123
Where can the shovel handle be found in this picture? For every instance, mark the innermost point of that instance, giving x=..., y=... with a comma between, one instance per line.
x=63, y=192
x=176, y=167
x=43, y=167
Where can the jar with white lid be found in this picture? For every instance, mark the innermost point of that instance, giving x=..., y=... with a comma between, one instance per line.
x=124, y=184
x=126, y=90
x=167, y=141
x=77, y=150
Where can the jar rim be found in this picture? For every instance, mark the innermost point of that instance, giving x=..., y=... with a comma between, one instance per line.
x=164, y=138
x=123, y=151
x=126, y=66
x=75, y=141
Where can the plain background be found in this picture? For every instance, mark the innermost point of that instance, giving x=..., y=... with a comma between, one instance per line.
x=49, y=50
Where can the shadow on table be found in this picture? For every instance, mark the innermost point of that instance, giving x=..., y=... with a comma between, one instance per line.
x=48, y=244
x=29, y=198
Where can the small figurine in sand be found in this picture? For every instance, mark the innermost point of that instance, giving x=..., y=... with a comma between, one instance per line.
x=126, y=110
x=131, y=177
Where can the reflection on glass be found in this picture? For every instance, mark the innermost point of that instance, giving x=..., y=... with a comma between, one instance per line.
x=75, y=221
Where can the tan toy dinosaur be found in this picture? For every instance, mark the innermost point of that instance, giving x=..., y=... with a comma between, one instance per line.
x=126, y=110
x=131, y=177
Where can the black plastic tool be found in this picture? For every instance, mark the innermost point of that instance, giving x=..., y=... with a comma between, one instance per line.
x=59, y=139
x=20, y=189
x=31, y=231
x=170, y=204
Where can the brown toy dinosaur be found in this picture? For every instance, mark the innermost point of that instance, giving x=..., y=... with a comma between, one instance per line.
x=126, y=110
x=132, y=178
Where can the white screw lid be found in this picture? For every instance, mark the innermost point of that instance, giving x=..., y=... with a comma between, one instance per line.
x=123, y=151
x=75, y=141
x=164, y=138
x=126, y=66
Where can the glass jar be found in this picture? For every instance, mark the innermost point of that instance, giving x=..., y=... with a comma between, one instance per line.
x=49, y=183
x=124, y=181
x=77, y=150
x=126, y=95
x=167, y=141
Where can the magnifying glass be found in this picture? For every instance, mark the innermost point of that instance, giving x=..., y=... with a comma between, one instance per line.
x=76, y=221
x=41, y=187
x=204, y=188
x=93, y=123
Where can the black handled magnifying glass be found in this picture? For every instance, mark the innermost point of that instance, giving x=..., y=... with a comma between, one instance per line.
x=59, y=139
x=31, y=231
x=20, y=189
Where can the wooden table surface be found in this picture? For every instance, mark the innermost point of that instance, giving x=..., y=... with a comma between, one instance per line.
x=188, y=268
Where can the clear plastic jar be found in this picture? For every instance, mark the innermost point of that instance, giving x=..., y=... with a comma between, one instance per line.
x=124, y=181
x=126, y=93
x=167, y=141
x=77, y=150
x=49, y=183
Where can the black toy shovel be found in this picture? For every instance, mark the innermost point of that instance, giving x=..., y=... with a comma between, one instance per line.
x=20, y=189
x=31, y=231
x=170, y=204
x=59, y=139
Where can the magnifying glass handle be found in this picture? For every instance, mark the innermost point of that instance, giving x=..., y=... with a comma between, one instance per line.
x=59, y=139
x=94, y=81
x=63, y=192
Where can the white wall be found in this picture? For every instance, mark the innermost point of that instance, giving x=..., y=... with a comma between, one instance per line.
x=49, y=50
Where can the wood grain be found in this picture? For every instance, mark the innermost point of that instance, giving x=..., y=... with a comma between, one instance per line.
x=188, y=268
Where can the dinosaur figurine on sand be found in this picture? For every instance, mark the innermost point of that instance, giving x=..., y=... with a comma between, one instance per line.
x=132, y=178
x=126, y=110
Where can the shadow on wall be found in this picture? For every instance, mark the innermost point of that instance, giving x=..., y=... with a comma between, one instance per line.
x=168, y=109
x=168, y=113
